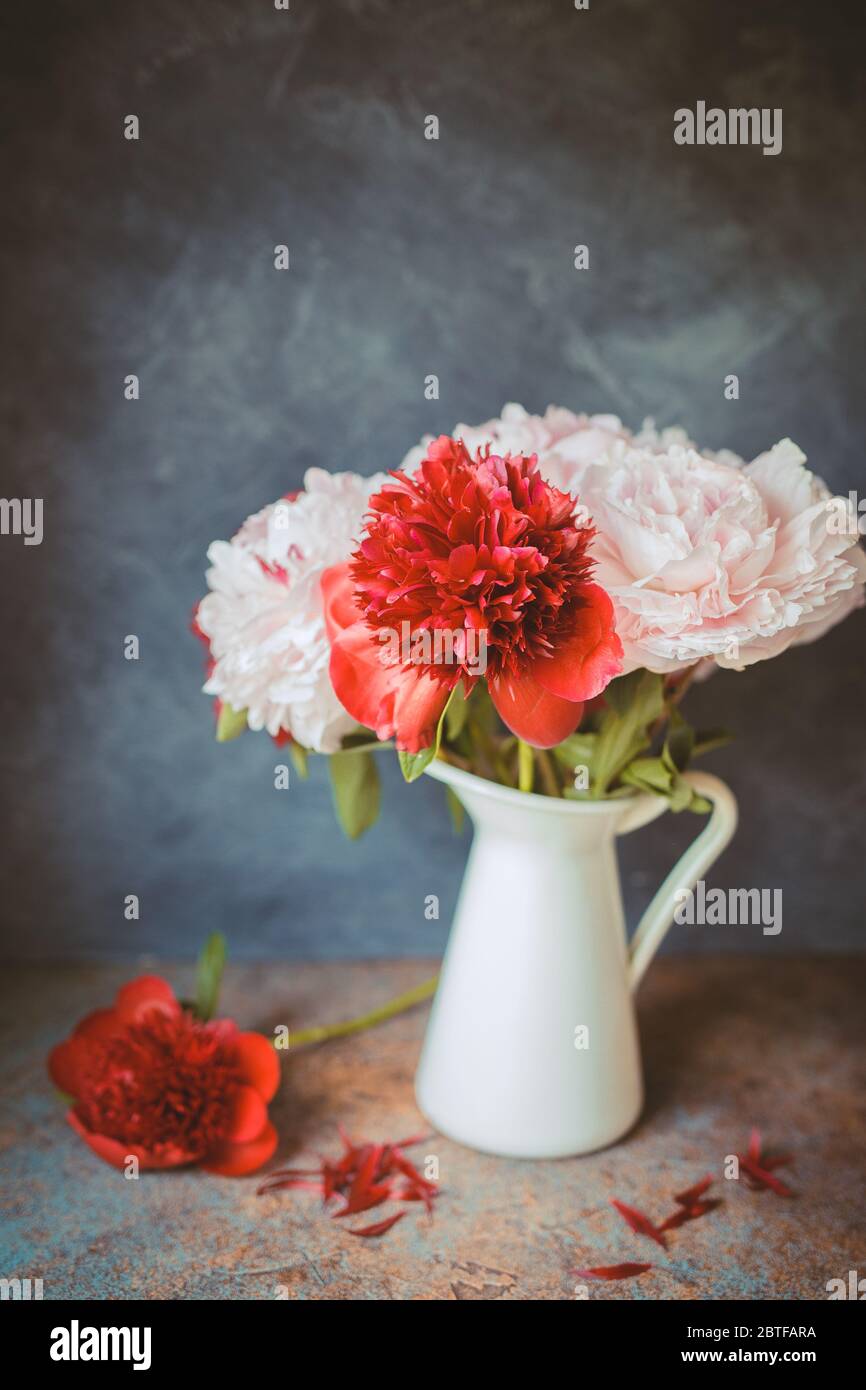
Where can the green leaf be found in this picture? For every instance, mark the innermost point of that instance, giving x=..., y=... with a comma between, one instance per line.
x=656, y=776
x=482, y=711
x=649, y=774
x=638, y=696
x=355, y=786
x=230, y=724
x=208, y=976
x=456, y=714
x=413, y=764
x=634, y=703
x=578, y=750
x=679, y=743
x=455, y=806
x=299, y=756
x=682, y=794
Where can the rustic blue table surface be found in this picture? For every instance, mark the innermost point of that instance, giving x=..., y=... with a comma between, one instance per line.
x=728, y=1043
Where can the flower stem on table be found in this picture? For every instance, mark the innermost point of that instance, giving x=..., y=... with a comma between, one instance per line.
x=324, y=1033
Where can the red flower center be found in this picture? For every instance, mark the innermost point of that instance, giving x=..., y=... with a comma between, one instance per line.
x=480, y=543
x=165, y=1083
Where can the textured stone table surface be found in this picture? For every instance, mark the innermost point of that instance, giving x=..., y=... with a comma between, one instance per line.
x=728, y=1043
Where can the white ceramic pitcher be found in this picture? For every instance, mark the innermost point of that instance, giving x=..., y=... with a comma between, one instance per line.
x=532, y=1048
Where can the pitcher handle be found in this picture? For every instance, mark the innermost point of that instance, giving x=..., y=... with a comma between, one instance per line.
x=716, y=834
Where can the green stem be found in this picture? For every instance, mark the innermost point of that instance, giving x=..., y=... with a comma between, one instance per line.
x=306, y=1036
x=525, y=766
x=548, y=774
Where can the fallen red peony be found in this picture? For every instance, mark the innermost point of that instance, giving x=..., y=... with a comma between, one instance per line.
x=149, y=1081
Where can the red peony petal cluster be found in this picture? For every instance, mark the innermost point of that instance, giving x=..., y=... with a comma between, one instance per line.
x=484, y=549
x=149, y=1080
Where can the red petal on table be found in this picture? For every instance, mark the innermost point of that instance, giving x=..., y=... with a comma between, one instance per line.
x=328, y=1182
x=366, y=1171
x=380, y=1227
x=763, y=1178
x=691, y=1213
x=626, y=1271
x=417, y=1192
x=691, y=1194
x=363, y=1201
x=365, y=1176
x=638, y=1222
x=775, y=1161
x=345, y=1166
x=409, y=1171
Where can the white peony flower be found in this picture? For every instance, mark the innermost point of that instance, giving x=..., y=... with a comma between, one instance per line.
x=705, y=559
x=264, y=616
x=563, y=442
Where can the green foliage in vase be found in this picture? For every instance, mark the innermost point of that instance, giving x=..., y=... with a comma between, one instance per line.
x=634, y=738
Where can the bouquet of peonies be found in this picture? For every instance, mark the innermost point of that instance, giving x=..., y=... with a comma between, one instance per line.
x=528, y=599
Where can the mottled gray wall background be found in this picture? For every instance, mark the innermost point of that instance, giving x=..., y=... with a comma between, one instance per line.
x=408, y=257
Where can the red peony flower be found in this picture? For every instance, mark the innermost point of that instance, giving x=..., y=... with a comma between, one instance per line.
x=483, y=550
x=148, y=1079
